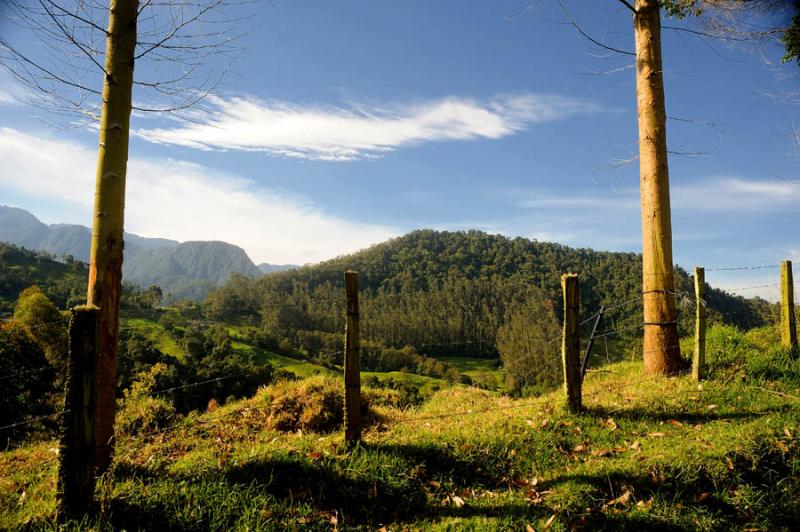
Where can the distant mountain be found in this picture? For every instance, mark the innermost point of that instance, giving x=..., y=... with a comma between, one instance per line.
x=189, y=270
x=182, y=270
x=265, y=267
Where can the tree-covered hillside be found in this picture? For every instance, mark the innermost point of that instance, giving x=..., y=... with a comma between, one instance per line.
x=450, y=292
x=64, y=283
x=189, y=270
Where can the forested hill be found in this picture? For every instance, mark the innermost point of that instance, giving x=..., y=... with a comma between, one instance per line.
x=455, y=288
x=64, y=283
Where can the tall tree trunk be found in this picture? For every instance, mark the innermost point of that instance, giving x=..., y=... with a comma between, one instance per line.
x=661, y=348
x=105, y=268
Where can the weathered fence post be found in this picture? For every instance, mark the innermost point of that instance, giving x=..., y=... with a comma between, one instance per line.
x=352, y=363
x=571, y=341
x=788, y=317
x=699, y=356
x=76, y=476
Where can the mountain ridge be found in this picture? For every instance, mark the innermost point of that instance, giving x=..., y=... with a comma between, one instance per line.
x=184, y=270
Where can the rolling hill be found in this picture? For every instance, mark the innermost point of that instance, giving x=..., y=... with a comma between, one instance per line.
x=449, y=293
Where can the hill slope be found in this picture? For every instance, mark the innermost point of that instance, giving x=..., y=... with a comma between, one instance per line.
x=457, y=289
x=647, y=454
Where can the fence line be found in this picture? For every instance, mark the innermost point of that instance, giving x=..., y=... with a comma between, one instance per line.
x=743, y=268
x=33, y=420
x=57, y=369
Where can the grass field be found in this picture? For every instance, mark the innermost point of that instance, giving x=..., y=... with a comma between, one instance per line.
x=155, y=332
x=478, y=369
x=646, y=453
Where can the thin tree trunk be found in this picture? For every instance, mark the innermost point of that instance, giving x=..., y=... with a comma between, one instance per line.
x=105, y=268
x=661, y=347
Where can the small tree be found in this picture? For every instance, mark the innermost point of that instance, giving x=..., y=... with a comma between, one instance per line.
x=27, y=392
x=83, y=55
x=43, y=322
x=528, y=347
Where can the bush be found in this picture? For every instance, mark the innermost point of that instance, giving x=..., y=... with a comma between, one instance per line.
x=28, y=381
x=138, y=410
x=315, y=404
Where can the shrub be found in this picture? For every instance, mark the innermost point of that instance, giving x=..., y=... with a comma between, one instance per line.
x=138, y=410
x=315, y=404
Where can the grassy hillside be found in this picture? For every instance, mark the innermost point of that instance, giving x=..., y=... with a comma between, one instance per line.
x=647, y=453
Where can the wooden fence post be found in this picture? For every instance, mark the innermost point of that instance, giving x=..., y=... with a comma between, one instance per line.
x=571, y=341
x=788, y=317
x=76, y=475
x=699, y=356
x=352, y=363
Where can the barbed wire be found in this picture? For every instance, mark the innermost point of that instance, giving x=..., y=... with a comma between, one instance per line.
x=33, y=420
x=195, y=384
x=38, y=325
x=57, y=369
x=752, y=287
x=743, y=268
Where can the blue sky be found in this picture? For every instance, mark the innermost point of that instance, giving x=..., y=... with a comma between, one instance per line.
x=345, y=123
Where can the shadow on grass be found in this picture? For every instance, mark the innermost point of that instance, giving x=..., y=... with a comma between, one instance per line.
x=646, y=414
x=402, y=484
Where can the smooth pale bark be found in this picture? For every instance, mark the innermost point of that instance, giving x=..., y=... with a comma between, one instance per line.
x=661, y=348
x=105, y=265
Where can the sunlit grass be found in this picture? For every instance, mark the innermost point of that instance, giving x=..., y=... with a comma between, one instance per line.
x=646, y=453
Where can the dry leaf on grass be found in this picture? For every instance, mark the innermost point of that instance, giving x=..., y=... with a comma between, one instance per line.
x=703, y=497
x=622, y=500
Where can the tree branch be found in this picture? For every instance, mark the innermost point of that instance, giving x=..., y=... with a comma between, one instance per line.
x=626, y=4
x=588, y=37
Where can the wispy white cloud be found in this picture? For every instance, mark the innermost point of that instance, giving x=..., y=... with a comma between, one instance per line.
x=184, y=201
x=333, y=133
x=626, y=201
x=735, y=194
x=717, y=194
x=10, y=91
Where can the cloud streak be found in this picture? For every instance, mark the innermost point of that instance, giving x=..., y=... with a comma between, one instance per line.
x=715, y=194
x=183, y=201
x=331, y=133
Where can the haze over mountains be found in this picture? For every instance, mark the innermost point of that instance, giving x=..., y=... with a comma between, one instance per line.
x=182, y=269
